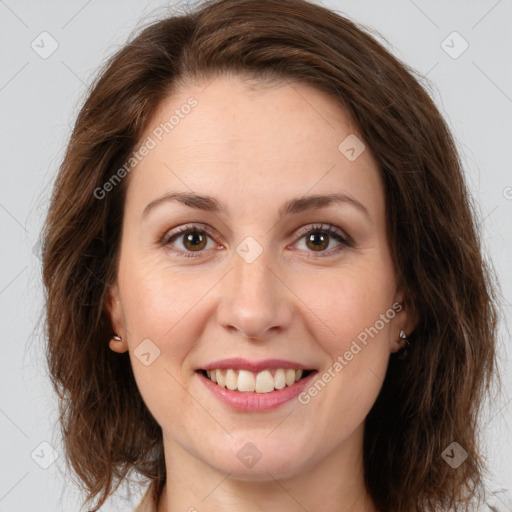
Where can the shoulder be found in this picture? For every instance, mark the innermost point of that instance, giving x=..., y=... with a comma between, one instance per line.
x=499, y=500
x=148, y=503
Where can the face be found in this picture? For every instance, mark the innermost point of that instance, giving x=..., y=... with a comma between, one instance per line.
x=256, y=270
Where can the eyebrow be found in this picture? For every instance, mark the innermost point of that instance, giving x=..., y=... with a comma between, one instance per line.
x=293, y=206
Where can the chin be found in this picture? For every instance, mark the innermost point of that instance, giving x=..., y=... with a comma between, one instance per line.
x=257, y=457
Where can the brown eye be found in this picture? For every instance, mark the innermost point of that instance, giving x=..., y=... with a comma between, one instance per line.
x=195, y=241
x=187, y=240
x=317, y=241
x=318, y=238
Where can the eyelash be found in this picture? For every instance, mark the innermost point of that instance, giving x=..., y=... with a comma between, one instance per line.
x=315, y=228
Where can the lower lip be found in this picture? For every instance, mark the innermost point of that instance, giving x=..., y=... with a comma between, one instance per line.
x=253, y=402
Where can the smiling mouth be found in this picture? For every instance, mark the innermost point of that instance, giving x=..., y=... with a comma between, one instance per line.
x=245, y=381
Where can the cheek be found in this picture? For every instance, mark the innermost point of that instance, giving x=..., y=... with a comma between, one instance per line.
x=158, y=298
x=347, y=302
x=354, y=309
x=161, y=309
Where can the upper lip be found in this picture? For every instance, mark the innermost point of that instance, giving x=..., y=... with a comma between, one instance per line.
x=254, y=366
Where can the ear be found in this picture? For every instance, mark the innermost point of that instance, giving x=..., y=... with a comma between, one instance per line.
x=114, y=309
x=406, y=320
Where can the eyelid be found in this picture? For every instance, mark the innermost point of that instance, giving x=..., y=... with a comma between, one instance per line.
x=326, y=227
x=195, y=226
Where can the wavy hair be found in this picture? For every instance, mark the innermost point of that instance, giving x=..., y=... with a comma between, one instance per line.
x=427, y=401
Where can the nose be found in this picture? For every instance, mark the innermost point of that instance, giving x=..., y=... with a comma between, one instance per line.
x=255, y=300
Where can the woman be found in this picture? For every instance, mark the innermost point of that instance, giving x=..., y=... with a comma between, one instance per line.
x=264, y=280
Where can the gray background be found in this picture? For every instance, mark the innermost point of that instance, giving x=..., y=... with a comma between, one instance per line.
x=39, y=100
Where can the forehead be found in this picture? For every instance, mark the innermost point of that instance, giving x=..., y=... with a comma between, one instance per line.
x=233, y=112
x=269, y=139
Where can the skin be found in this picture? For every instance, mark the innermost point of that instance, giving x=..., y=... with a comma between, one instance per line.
x=254, y=148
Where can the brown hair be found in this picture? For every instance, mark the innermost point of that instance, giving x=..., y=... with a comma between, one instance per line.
x=426, y=402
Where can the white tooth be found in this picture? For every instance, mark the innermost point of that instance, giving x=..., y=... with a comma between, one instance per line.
x=231, y=380
x=246, y=381
x=279, y=379
x=264, y=382
x=221, y=380
x=290, y=376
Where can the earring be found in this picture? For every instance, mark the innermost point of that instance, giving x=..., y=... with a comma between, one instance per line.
x=404, y=353
x=116, y=337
